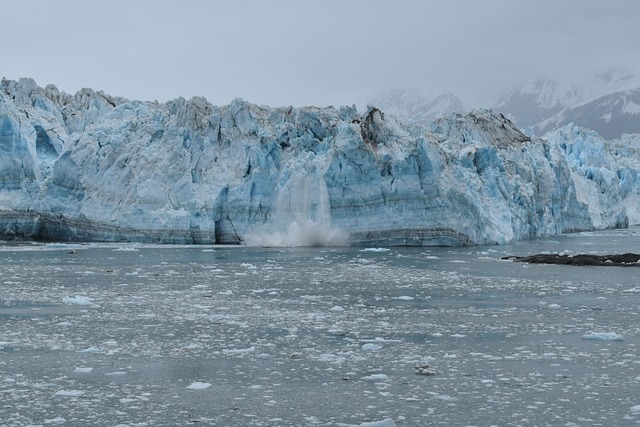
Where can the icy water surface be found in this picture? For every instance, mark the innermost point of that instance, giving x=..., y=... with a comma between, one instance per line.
x=237, y=336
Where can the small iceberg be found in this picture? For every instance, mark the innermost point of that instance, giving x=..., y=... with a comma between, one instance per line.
x=384, y=423
x=603, y=336
x=199, y=386
x=77, y=300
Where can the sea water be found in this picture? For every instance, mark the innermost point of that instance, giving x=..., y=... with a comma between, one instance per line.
x=115, y=335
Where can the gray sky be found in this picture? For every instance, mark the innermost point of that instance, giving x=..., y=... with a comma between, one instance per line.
x=311, y=52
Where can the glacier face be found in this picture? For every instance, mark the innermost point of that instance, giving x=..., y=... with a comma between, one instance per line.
x=97, y=168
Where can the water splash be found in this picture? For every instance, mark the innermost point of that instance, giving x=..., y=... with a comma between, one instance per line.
x=303, y=232
x=302, y=215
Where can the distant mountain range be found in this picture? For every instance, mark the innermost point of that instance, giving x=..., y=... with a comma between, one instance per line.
x=608, y=102
x=416, y=106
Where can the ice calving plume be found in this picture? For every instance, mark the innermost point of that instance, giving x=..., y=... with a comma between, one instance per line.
x=302, y=205
x=304, y=232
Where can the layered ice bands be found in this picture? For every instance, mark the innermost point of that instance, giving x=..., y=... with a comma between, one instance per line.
x=91, y=167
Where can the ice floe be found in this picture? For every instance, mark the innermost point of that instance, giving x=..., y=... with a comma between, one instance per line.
x=603, y=336
x=199, y=386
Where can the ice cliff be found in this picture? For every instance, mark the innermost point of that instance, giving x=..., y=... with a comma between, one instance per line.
x=97, y=168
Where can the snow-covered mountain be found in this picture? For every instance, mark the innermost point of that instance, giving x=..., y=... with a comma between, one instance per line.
x=610, y=115
x=415, y=106
x=607, y=103
x=92, y=167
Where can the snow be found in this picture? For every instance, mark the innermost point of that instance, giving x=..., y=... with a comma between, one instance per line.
x=108, y=169
x=631, y=107
x=416, y=106
x=547, y=104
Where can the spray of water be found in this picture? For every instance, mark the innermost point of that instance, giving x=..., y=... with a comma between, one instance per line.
x=301, y=217
x=303, y=232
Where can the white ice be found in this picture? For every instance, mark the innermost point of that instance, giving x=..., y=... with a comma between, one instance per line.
x=603, y=336
x=199, y=386
x=384, y=423
x=77, y=300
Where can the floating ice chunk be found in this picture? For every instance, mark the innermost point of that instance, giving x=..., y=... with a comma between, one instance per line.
x=126, y=249
x=405, y=298
x=4, y=344
x=375, y=250
x=371, y=347
x=56, y=420
x=336, y=308
x=446, y=398
x=69, y=393
x=423, y=369
x=198, y=386
x=379, y=340
x=635, y=408
x=91, y=350
x=384, y=423
x=603, y=336
x=239, y=351
x=330, y=358
x=376, y=377
x=554, y=306
x=77, y=300
x=83, y=370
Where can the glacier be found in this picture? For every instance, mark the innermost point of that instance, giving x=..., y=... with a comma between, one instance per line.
x=92, y=167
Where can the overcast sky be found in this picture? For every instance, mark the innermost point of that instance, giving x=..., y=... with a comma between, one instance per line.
x=315, y=52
